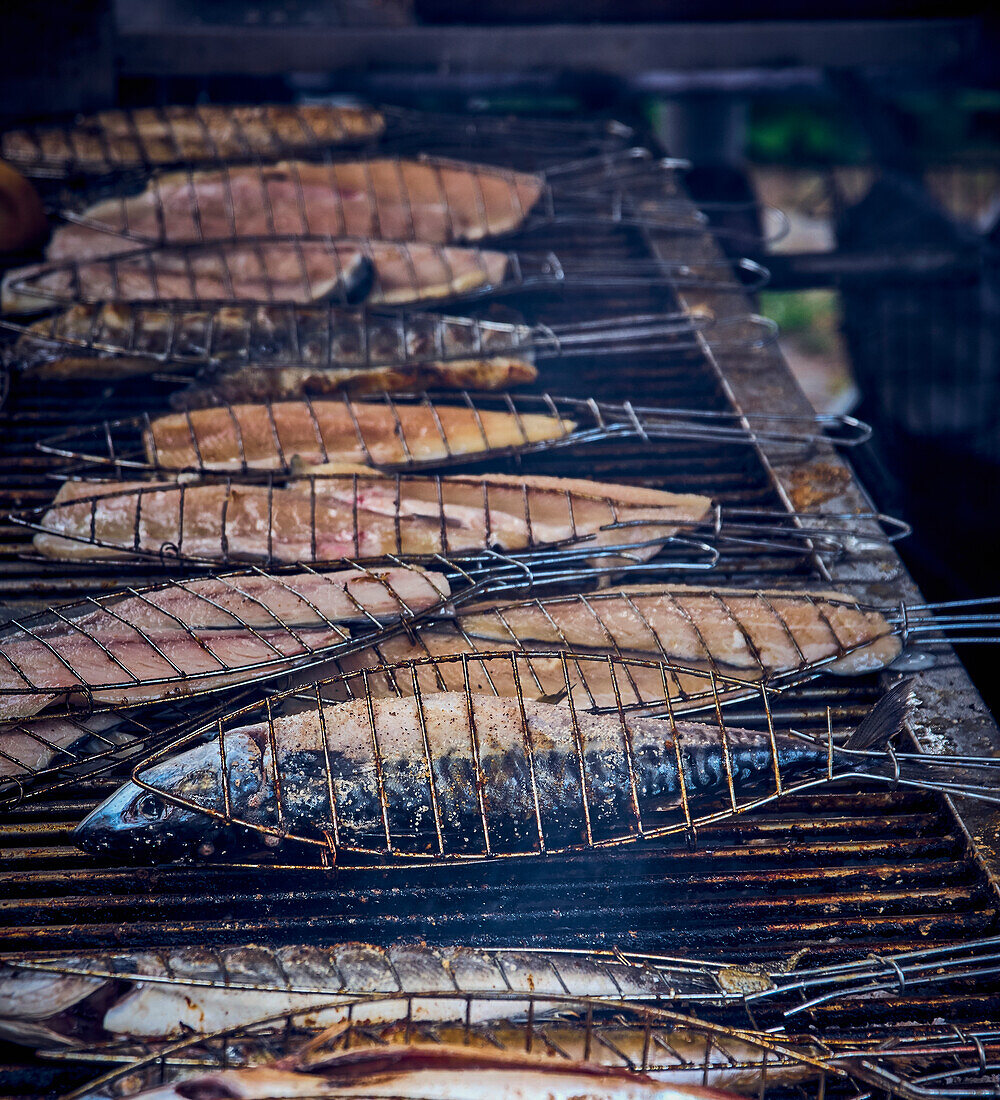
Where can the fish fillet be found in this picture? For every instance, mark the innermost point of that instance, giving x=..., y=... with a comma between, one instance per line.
x=356, y=516
x=518, y=1079
x=242, y=384
x=30, y=747
x=735, y=630
x=179, y=638
x=381, y=272
x=263, y=352
x=396, y=200
x=678, y=1057
x=115, y=139
x=267, y=436
x=743, y=634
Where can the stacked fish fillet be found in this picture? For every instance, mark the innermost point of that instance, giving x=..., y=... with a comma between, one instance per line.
x=505, y=715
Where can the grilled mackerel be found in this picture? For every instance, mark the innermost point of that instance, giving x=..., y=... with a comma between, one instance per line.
x=145, y=136
x=456, y=775
x=118, y=995
x=439, y=202
x=269, y=436
x=269, y=352
x=344, y=270
x=358, y=515
x=178, y=638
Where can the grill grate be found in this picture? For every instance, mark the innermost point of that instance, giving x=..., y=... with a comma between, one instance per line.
x=834, y=873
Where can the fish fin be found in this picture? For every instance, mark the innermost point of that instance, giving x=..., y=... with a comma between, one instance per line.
x=885, y=719
x=554, y=698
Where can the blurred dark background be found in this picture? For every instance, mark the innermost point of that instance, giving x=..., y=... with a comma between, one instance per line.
x=875, y=126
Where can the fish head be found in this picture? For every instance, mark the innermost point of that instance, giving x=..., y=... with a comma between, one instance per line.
x=183, y=807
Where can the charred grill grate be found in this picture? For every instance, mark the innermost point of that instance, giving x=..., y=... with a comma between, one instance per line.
x=835, y=873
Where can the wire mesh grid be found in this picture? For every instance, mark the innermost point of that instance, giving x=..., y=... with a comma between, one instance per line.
x=453, y=1031
x=346, y=271
x=429, y=199
x=406, y=432
x=778, y=637
x=72, y=676
x=251, y=1004
x=154, y=136
x=290, y=617
x=459, y=776
x=41, y=756
x=550, y=524
x=329, y=337
x=365, y=1036
x=207, y=134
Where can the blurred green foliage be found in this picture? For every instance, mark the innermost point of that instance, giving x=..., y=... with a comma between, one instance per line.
x=789, y=133
x=812, y=317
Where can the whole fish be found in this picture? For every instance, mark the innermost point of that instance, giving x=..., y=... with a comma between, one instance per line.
x=269, y=436
x=445, y=1074
x=157, y=995
x=343, y=270
x=395, y=199
x=358, y=516
x=187, y=636
x=143, y=136
x=554, y=643
x=458, y=775
x=262, y=352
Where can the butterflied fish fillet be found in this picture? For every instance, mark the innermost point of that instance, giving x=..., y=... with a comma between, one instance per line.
x=30, y=747
x=456, y=1075
x=249, y=352
x=267, y=436
x=743, y=634
x=240, y=384
x=455, y=773
x=201, y=997
x=183, y=637
x=392, y=199
x=671, y=1052
x=143, y=136
x=357, y=516
x=735, y=630
x=265, y=271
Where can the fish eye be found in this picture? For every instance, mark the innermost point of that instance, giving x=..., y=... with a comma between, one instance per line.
x=150, y=807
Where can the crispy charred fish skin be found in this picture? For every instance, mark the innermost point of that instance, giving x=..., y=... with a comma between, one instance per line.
x=359, y=516
x=300, y=978
x=276, y=352
x=141, y=137
x=179, y=637
x=491, y=777
x=393, y=199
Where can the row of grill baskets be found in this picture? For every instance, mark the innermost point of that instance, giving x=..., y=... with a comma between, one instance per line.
x=69, y=727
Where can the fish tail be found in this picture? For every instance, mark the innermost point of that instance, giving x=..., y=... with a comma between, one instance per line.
x=971, y=777
x=885, y=720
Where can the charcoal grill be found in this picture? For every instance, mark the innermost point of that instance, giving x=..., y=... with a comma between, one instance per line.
x=834, y=874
